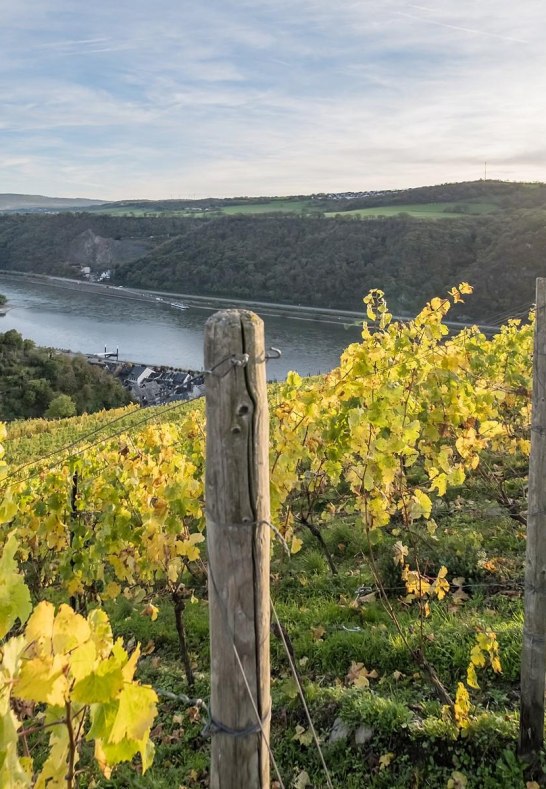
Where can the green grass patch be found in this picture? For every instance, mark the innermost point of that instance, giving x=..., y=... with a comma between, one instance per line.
x=424, y=210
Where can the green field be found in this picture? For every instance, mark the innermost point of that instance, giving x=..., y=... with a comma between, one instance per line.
x=272, y=206
x=141, y=211
x=424, y=210
x=278, y=206
x=452, y=210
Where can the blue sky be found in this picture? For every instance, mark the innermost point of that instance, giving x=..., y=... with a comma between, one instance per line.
x=182, y=98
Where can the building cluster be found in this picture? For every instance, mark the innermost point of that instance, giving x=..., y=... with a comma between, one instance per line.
x=155, y=385
x=346, y=195
x=102, y=276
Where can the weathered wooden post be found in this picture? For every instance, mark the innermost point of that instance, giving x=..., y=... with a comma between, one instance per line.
x=533, y=658
x=238, y=538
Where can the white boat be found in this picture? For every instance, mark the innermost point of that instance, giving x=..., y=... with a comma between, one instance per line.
x=179, y=306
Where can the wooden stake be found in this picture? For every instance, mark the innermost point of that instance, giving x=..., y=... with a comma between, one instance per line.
x=533, y=658
x=238, y=540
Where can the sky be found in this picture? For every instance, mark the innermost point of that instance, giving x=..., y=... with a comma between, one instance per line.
x=186, y=99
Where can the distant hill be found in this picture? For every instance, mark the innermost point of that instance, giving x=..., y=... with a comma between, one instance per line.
x=16, y=202
x=319, y=250
x=443, y=201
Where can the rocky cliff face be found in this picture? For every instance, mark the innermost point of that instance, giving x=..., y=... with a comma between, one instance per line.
x=88, y=249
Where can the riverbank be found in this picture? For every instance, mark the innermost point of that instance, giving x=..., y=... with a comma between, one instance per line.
x=210, y=303
x=299, y=312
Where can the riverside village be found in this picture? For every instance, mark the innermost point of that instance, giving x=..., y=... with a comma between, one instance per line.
x=150, y=385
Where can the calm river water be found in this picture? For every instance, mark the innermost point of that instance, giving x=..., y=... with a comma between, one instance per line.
x=155, y=333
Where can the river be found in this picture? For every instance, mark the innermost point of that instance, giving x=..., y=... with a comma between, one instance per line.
x=86, y=320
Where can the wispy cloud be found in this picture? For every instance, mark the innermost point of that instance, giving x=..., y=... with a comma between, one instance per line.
x=459, y=28
x=67, y=43
x=267, y=96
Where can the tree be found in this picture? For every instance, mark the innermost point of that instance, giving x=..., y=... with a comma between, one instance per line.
x=61, y=407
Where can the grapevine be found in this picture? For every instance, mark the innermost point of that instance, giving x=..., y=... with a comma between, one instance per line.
x=409, y=412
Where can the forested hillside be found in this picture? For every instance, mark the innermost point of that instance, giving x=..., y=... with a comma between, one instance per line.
x=317, y=262
x=330, y=263
x=48, y=243
x=503, y=194
x=39, y=382
x=495, y=240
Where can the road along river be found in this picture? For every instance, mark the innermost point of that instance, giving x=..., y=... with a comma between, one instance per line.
x=145, y=327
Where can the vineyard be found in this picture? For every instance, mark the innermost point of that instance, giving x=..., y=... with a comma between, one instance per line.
x=398, y=498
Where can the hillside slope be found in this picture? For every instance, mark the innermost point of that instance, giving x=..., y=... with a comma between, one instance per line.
x=492, y=234
x=332, y=263
x=19, y=202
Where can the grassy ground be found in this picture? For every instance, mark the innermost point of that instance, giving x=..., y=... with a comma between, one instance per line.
x=426, y=210
x=272, y=206
x=355, y=666
x=419, y=210
x=291, y=206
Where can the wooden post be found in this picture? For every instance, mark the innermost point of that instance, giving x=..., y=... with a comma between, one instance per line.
x=238, y=540
x=533, y=658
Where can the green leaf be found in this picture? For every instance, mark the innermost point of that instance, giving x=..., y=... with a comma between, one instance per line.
x=99, y=686
x=103, y=717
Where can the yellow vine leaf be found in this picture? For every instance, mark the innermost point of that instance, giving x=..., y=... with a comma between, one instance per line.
x=43, y=679
x=152, y=611
x=359, y=676
x=189, y=547
x=303, y=736
x=456, y=295
x=477, y=656
x=111, y=591
x=70, y=664
x=39, y=629
x=101, y=632
x=385, y=759
x=461, y=707
x=471, y=677
x=295, y=545
x=440, y=586
x=53, y=773
x=129, y=668
x=417, y=586
x=400, y=551
x=136, y=712
x=82, y=659
x=69, y=630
